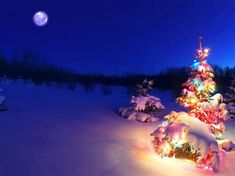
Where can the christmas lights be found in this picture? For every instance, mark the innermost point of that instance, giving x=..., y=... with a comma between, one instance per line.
x=193, y=135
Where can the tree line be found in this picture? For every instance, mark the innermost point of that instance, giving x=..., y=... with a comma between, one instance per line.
x=30, y=66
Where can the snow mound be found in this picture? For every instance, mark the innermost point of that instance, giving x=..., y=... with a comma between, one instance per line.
x=199, y=134
x=183, y=128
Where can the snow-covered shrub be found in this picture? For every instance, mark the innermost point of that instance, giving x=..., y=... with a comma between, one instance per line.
x=184, y=136
x=131, y=114
x=144, y=102
x=143, y=106
x=147, y=103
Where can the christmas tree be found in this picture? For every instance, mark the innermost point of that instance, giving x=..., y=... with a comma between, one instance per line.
x=198, y=94
x=193, y=135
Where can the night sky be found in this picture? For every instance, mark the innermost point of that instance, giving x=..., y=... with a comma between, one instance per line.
x=119, y=36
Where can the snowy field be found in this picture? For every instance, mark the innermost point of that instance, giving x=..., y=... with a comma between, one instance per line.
x=58, y=132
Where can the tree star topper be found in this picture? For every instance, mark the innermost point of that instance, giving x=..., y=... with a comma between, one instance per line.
x=202, y=54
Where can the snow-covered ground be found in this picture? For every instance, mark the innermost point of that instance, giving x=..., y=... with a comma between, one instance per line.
x=57, y=132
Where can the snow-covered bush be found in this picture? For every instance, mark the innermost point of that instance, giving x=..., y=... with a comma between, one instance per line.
x=131, y=114
x=184, y=136
x=147, y=103
x=2, y=101
x=144, y=102
x=143, y=106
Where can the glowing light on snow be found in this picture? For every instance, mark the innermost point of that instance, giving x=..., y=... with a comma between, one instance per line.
x=40, y=18
x=176, y=141
x=208, y=168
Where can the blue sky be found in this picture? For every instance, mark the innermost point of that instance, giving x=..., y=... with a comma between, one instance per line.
x=121, y=36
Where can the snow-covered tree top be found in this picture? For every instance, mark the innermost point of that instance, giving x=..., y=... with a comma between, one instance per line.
x=144, y=88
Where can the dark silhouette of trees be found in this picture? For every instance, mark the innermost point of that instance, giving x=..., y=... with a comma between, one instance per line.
x=31, y=66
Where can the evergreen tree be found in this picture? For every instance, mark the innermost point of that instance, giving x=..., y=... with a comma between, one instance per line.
x=186, y=135
x=144, y=88
x=198, y=94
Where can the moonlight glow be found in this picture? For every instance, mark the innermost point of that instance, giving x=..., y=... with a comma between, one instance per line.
x=40, y=18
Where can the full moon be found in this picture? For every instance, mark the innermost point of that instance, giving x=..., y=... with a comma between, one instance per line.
x=40, y=18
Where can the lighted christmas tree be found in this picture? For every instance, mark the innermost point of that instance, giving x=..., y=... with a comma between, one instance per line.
x=193, y=135
x=199, y=97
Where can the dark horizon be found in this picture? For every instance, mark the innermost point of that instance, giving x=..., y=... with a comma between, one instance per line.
x=121, y=36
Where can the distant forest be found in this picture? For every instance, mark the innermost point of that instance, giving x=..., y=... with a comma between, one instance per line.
x=30, y=66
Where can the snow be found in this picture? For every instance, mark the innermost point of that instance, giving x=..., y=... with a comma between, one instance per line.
x=142, y=109
x=199, y=133
x=57, y=132
x=131, y=114
x=184, y=128
x=141, y=102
